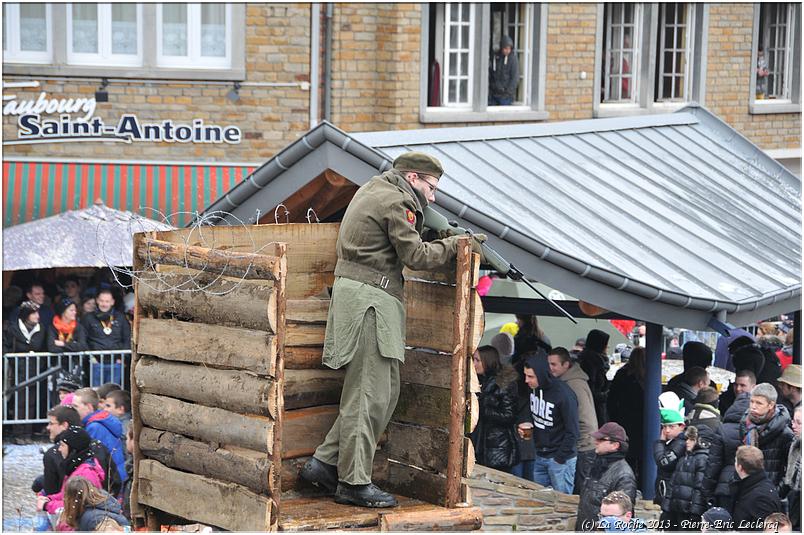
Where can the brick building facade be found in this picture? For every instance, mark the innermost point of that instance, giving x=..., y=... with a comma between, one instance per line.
x=370, y=67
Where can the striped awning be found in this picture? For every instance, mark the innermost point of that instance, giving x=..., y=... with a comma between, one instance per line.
x=38, y=189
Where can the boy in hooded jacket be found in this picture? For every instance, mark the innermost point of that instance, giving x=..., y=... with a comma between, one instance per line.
x=553, y=411
x=686, y=498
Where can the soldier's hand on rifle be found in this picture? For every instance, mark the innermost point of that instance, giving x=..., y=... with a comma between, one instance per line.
x=477, y=248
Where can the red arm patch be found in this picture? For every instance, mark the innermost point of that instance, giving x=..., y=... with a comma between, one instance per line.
x=411, y=217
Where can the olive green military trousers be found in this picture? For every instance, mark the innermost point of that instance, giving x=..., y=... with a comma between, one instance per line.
x=369, y=396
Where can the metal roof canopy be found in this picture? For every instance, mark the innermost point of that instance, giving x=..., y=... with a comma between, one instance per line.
x=675, y=219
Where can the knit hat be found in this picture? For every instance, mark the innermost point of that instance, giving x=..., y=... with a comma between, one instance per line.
x=26, y=309
x=791, y=375
x=419, y=162
x=63, y=305
x=68, y=382
x=79, y=441
x=717, y=519
x=765, y=390
x=671, y=409
x=596, y=341
x=696, y=354
x=504, y=344
x=747, y=355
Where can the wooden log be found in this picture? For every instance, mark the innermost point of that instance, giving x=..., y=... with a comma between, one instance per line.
x=417, y=445
x=478, y=322
x=232, y=390
x=304, y=358
x=460, y=519
x=447, y=276
x=213, y=345
x=424, y=368
x=424, y=405
x=307, y=310
x=309, y=388
x=304, y=335
x=214, y=261
x=460, y=358
x=249, y=468
x=310, y=248
x=291, y=468
x=322, y=514
x=207, y=423
x=302, y=285
x=304, y=429
x=281, y=250
x=414, y=482
x=222, y=302
x=209, y=501
x=430, y=311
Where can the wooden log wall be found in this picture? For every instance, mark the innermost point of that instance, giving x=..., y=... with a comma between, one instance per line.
x=413, y=458
x=207, y=383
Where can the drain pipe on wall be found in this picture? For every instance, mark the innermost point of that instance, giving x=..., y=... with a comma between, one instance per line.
x=315, y=57
x=328, y=65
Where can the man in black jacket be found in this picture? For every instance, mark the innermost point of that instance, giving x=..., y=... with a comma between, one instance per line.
x=610, y=472
x=755, y=497
x=766, y=426
x=503, y=74
x=553, y=411
x=107, y=328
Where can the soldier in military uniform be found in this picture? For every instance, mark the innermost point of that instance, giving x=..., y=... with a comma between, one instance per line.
x=380, y=233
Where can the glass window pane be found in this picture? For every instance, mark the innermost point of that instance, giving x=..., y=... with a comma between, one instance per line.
x=464, y=91
x=5, y=29
x=679, y=87
x=680, y=57
x=668, y=62
x=628, y=34
x=174, y=29
x=628, y=10
x=667, y=87
x=213, y=30
x=464, y=64
x=626, y=88
x=627, y=62
x=124, y=29
x=85, y=28
x=453, y=37
x=464, y=36
x=465, y=15
x=452, y=91
x=454, y=11
x=616, y=13
x=33, y=28
x=453, y=63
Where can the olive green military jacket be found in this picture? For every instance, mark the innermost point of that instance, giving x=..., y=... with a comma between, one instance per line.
x=379, y=235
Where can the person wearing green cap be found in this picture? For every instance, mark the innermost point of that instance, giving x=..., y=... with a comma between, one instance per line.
x=668, y=449
x=381, y=233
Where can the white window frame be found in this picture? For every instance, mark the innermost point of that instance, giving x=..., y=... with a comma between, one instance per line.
x=636, y=44
x=194, y=59
x=646, y=92
x=11, y=27
x=689, y=18
x=791, y=103
x=104, y=56
x=449, y=27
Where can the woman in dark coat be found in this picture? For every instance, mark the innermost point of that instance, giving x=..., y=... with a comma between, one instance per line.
x=594, y=360
x=494, y=438
x=626, y=404
x=25, y=334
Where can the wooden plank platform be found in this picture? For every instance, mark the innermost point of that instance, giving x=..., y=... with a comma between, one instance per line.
x=322, y=513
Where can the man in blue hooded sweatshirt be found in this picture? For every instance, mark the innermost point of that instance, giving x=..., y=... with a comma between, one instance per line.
x=553, y=410
x=102, y=426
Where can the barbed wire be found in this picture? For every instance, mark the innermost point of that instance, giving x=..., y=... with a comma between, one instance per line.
x=207, y=279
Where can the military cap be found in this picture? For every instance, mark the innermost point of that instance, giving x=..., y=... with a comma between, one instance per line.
x=419, y=162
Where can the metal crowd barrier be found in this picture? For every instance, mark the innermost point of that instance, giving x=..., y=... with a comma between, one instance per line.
x=29, y=379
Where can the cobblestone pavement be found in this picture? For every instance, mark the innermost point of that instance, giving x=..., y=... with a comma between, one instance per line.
x=21, y=464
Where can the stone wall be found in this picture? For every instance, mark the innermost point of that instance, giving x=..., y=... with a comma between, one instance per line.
x=510, y=503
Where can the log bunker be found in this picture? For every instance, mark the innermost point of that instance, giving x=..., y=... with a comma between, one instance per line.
x=229, y=396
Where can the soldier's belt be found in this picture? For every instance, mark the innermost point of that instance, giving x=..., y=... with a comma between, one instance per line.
x=392, y=284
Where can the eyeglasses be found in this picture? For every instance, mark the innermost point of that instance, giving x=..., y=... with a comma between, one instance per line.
x=429, y=185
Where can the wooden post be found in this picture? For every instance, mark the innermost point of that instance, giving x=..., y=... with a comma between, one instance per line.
x=280, y=287
x=136, y=420
x=458, y=379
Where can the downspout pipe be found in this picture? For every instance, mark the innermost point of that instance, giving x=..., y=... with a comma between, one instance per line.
x=328, y=65
x=315, y=60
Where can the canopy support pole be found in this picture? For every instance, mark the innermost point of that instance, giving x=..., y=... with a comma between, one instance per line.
x=797, y=337
x=653, y=388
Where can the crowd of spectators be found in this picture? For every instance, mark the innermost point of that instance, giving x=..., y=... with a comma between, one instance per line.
x=86, y=477
x=725, y=461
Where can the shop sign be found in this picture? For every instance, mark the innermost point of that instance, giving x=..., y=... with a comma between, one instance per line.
x=34, y=127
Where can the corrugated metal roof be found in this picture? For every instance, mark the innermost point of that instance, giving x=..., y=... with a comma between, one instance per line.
x=678, y=208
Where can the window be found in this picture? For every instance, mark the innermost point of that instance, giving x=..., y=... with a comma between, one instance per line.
x=675, y=47
x=464, y=65
x=669, y=34
x=26, y=33
x=622, y=52
x=776, y=58
x=104, y=34
x=193, y=35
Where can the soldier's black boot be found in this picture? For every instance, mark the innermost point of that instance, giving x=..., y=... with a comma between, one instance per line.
x=320, y=474
x=363, y=495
